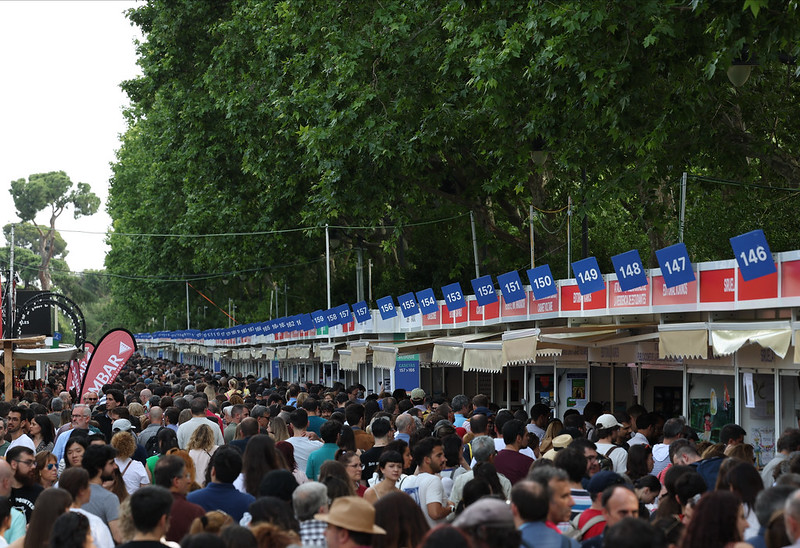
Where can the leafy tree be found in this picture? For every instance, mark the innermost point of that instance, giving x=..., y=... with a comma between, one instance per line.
x=268, y=116
x=51, y=191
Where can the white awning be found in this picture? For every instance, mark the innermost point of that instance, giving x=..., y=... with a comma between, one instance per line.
x=727, y=338
x=683, y=340
x=520, y=346
x=384, y=357
x=384, y=353
x=483, y=356
x=268, y=352
x=450, y=350
x=346, y=362
x=281, y=353
x=326, y=352
x=358, y=351
x=61, y=354
x=300, y=351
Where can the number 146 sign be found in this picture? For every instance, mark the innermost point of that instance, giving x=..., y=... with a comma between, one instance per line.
x=753, y=255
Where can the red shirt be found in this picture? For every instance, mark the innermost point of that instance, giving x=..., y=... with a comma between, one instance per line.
x=594, y=530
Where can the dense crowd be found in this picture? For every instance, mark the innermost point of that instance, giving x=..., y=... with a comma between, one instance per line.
x=170, y=454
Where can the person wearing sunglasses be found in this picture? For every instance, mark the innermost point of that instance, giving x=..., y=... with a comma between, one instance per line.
x=46, y=469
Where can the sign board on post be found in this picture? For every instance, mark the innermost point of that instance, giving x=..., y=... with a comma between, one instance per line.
x=361, y=311
x=406, y=372
x=408, y=304
x=676, y=267
x=753, y=255
x=587, y=274
x=454, y=297
x=511, y=286
x=386, y=307
x=542, y=283
x=629, y=270
x=484, y=290
x=275, y=369
x=427, y=301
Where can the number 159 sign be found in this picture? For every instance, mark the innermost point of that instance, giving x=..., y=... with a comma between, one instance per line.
x=753, y=255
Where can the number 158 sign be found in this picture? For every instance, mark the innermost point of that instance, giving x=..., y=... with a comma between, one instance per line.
x=753, y=255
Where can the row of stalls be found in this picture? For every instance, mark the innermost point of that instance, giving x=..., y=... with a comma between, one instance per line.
x=716, y=350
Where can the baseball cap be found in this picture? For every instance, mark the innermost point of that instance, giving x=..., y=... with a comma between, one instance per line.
x=418, y=394
x=486, y=511
x=607, y=421
x=121, y=425
x=602, y=480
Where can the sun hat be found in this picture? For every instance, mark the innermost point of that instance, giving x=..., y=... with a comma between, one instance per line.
x=353, y=514
x=559, y=443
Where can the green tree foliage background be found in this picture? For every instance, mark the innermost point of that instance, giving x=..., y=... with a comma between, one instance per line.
x=273, y=115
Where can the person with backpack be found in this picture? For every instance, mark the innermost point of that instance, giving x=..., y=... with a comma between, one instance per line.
x=607, y=427
x=156, y=416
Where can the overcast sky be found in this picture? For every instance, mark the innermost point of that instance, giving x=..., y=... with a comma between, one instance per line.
x=61, y=63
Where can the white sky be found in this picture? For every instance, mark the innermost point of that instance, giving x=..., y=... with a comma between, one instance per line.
x=61, y=63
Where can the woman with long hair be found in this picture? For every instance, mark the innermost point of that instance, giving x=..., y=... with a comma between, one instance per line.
x=50, y=504
x=277, y=429
x=403, y=520
x=352, y=462
x=260, y=457
x=745, y=481
x=42, y=433
x=46, y=469
x=335, y=477
x=201, y=446
x=718, y=522
x=640, y=462
x=132, y=471
x=287, y=450
x=554, y=428
x=390, y=467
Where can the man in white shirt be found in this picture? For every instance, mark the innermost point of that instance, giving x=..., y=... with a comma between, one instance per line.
x=429, y=456
x=18, y=425
x=198, y=407
x=607, y=428
x=673, y=430
x=302, y=443
x=645, y=429
x=540, y=415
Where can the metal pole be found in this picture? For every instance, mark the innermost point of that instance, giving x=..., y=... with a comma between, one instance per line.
x=360, y=275
x=474, y=245
x=285, y=299
x=328, y=263
x=569, y=235
x=369, y=271
x=532, y=218
x=188, y=325
x=684, y=177
x=12, y=288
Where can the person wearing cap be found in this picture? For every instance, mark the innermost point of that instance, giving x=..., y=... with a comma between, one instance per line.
x=559, y=442
x=418, y=399
x=530, y=507
x=607, y=427
x=351, y=523
x=489, y=522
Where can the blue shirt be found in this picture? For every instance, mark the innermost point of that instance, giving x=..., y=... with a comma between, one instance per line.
x=316, y=458
x=222, y=496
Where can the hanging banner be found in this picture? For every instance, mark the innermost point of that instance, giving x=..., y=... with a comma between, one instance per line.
x=511, y=286
x=753, y=255
x=542, y=282
x=111, y=354
x=484, y=290
x=78, y=367
x=427, y=301
x=629, y=270
x=587, y=274
x=676, y=267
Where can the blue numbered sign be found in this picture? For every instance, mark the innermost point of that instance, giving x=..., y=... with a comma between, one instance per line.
x=343, y=313
x=676, y=267
x=427, y=301
x=484, y=290
x=753, y=255
x=408, y=304
x=542, y=282
x=332, y=317
x=587, y=274
x=318, y=317
x=629, y=270
x=361, y=311
x=305, y=322
x=386, y=308
x=454, y=297
x=511, y=286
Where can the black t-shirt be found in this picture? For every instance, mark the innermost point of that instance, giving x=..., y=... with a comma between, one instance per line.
x=24, y=498
x=370, y=460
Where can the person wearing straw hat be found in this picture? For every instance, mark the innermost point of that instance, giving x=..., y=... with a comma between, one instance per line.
x=559, y=443
x=351, y=523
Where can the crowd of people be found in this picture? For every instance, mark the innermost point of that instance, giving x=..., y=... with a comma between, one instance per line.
x=170, y=454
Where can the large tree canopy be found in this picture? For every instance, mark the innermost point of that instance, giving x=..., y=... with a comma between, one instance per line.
x=261, y=116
